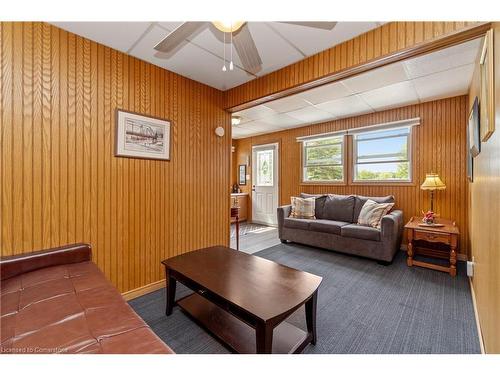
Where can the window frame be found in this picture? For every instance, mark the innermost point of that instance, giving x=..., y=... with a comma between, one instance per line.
x=343, y=153
x=354, y=156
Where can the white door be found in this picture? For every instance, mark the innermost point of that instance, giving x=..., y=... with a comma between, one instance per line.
x=265, y=184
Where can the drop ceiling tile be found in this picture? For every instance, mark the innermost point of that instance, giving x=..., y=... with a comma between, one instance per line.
x=254, y=128
x=243, y=119
x=186, y=61
x=117, y=35
x=445, y=84
x=343, y=107
x=237, y=132
x=171, y=25
x=376, y=78
x=258, y=112
x=259, y=126
x=281, y=120
x=289, y=103
x=311, y=40
x=398, y=94
x=448, y=58
x=310, y=114
x=274, y=52
x=326, y=93
x=212, y=40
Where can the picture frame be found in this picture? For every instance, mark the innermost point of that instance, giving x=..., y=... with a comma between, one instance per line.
x=242, y=174
x=487, y=88
x=140, y=136
x=470, y=160
x=474, y=129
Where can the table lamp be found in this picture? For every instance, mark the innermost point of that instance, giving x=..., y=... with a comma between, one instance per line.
x=432, y=182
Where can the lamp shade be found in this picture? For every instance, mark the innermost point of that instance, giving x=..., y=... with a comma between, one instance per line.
x=432, y=182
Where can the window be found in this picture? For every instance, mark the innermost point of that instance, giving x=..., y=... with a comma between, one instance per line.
x=323, y=159
x=382, y=155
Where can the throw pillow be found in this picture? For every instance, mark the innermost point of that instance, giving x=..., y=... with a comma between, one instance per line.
x=339, y=207
x=303, y=208
x=372, y=212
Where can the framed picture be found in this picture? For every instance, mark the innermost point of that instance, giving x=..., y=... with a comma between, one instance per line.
x=242, y=174
x=474, y=141
x=487, y=100
x=142, y=137
x=470, y=159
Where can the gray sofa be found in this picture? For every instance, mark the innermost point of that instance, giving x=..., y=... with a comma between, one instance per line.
x=335, y=227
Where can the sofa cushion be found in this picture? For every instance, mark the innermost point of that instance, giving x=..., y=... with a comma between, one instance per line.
x=291, y=222
x=372, y=212
x=303, y=208
x=359, y=202
x=361, y=232
x=327, y=226
x=319, y=204
x=339, y=207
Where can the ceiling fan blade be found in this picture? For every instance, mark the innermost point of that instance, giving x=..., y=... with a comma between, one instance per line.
x=178, y=35
x=317, y=25
x=246, y=49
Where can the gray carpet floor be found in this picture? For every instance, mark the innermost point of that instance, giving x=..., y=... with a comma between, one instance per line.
x=363, y=307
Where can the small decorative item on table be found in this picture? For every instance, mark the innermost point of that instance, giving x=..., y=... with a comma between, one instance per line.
x=429, y=220
x=428, y=217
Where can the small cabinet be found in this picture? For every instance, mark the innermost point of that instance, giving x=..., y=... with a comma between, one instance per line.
x=242, y=202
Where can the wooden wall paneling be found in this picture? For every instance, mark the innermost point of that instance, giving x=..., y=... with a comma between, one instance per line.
x=60, y=182
x=438, y=145
x=389, y=38
x=6, y=133
x=484, y=203
x=17, y=134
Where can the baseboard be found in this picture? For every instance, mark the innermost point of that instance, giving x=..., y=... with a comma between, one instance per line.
x=134, y=293
x=460, y=256
x=476, y=315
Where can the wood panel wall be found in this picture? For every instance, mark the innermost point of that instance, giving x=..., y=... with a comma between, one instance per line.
x=439, y=145
x=484, y=218
x=384, y=40
x=60, y=182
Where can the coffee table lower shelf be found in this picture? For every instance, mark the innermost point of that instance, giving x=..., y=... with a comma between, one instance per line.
x=235, y=334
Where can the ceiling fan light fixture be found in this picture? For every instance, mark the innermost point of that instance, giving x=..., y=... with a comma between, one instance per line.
x=228, y=26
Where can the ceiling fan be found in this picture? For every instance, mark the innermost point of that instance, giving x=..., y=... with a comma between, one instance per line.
x=240, y=36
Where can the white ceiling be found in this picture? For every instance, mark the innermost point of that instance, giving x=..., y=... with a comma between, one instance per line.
x=201, y=57
x=441, y=74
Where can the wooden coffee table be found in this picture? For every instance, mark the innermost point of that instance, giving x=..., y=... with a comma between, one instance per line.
x=243, y=299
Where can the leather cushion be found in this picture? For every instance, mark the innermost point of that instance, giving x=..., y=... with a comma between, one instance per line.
x=70, y=308
x=361, y=232
x=339, y=207
x=327, y=226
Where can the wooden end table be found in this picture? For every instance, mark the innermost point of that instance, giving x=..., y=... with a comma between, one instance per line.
x=446, y=234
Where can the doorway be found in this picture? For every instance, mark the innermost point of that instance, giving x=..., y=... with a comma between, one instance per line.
x=265, y=184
